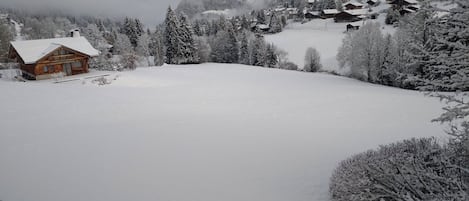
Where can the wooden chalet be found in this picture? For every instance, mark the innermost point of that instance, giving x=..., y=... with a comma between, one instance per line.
x=312, y=15
x=48, y=58
x=351, y=15
x=352, y=5
x=329, y=13
x=397, y=4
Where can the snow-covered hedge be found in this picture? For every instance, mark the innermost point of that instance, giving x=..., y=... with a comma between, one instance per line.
x=416, y=169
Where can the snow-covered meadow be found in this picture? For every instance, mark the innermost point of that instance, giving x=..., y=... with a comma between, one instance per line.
x=206, y=132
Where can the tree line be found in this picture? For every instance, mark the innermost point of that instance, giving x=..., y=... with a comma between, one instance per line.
x=428, y=51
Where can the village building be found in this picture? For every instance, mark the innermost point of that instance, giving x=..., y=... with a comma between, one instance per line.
x=329, y=13
x=398, y=4
x=372, y=2
x=352, y=5
x=48, y=58
x=312, y=15
x=351, y=15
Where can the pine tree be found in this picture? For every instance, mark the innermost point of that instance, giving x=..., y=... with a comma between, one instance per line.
x=171, y=37
x=156, y=47
x=122, y=44
x=225, y=46
x=188, y=48
x=270, y=56
x=244, y=49
x=143, y=48
x=6, y=36
x=446, y=65
x=275, y=24
x=258, y=51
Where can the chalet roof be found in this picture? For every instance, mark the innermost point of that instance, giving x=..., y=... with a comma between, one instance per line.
x=353, y=3
x=32, y=51
x=357, y=12
x=330, y=11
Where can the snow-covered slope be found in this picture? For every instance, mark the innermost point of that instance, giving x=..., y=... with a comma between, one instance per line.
x=206, y=132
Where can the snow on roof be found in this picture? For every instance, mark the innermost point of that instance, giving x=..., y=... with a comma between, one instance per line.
x=357, y=12
x=330, y=11
x=412, y=1
x=353, y=3
x=311, y=1
x=313, y=13
x=33, y=50
x=263, y=26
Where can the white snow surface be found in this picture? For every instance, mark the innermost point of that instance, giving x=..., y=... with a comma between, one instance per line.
x=206, y=132
x=33, y=50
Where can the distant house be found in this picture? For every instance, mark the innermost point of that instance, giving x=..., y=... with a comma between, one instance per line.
x=372, y=2
x=397, y=4
x=312, y=15
x=46, y=58
x=329, y=13
x=351, y=15
x=352, y=5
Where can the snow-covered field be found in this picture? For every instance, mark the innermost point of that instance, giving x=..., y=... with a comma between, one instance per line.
x=211, y=132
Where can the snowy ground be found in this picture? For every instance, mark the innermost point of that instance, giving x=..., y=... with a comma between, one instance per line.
x=208, y=132
x=323, y=34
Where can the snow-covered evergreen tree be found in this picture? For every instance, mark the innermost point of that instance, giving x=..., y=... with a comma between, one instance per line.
x=257, y=51
x=143, y=48
x=203, y=48
x=6, y=36
x=225, y=46
x=122, y=44
x=95, y=37
x=275, y=24
x=188, y=49
x=446, y=60
x=271, y=59
x=172, y=37
x=156, y=48
x=244, y=49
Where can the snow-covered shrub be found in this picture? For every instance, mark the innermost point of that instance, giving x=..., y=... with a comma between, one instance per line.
x=312, y=60
x=416, y=169
x=129, y=61
x=456, y=115
x=288, y=65
x=101, y=81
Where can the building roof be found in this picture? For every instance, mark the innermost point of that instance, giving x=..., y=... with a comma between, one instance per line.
x=330, y=11
x=357, y=12
x=353, y=3
x=32, y=51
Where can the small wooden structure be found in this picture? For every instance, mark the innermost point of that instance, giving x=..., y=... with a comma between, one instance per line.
x=329, y=13
x=312, y=15
x=351, y=15
x=48, y=58
x=352, y=5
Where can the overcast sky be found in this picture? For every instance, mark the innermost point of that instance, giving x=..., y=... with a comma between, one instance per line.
x=150, y=11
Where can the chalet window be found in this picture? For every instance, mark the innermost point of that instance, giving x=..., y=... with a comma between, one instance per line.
x=49, y=69
x=76, y=64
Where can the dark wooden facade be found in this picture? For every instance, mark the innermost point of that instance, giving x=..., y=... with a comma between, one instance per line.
x=352, y=7
x=346, y=17
x=61, y=61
